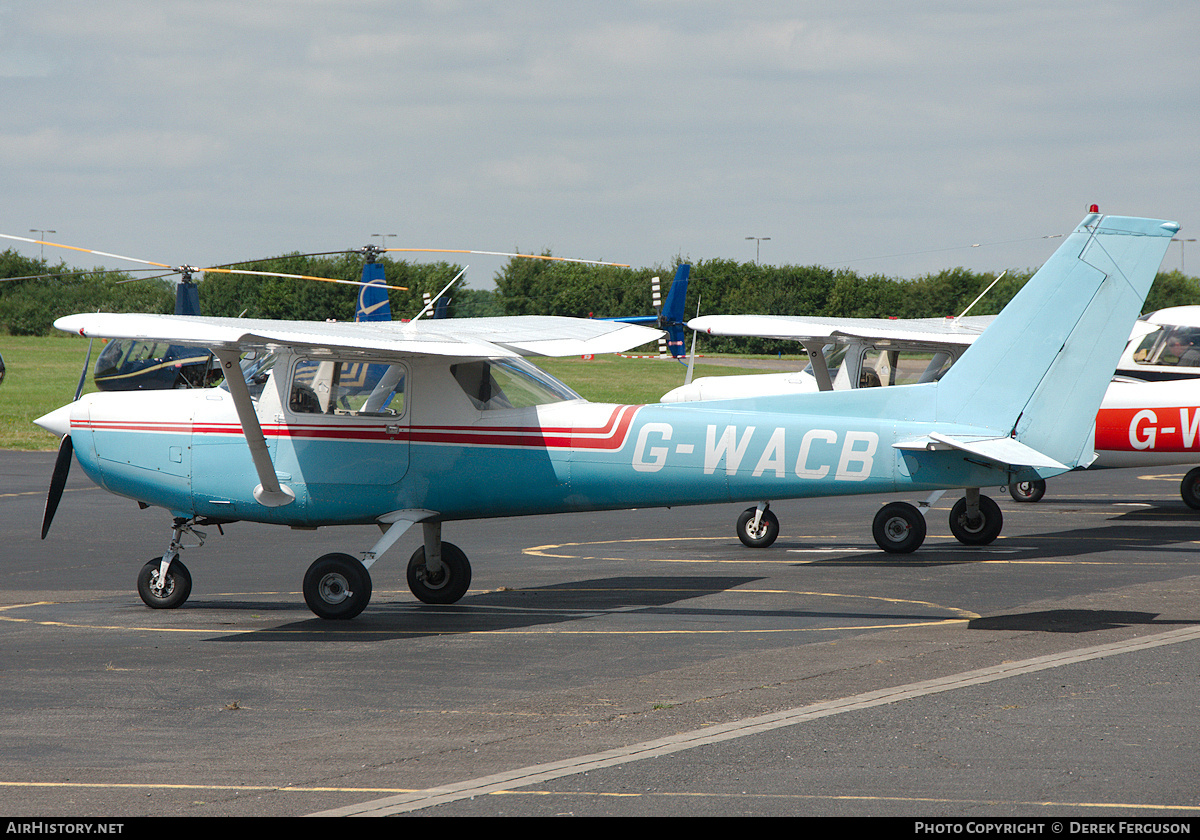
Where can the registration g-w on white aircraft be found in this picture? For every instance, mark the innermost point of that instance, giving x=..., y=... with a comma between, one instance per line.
x=458, y=426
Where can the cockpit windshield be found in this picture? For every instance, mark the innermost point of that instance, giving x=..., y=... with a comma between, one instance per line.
x=256, y=369
x=1170, y=346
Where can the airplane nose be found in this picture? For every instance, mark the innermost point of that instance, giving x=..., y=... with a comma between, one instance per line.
x=57, y=421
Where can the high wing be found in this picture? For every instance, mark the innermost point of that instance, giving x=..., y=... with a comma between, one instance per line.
x=959, y=331
x=523, y=335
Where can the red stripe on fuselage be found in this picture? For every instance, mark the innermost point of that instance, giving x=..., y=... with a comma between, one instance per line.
x=610, y=435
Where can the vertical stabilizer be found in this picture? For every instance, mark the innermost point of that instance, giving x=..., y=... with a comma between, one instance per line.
x=373, y=298
x=1039, y=372
x=673, y=319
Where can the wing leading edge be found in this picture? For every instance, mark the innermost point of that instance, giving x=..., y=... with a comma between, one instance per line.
x=521, y=335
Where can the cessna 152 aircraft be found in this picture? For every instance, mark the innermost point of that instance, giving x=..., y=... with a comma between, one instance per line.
x=461, y=427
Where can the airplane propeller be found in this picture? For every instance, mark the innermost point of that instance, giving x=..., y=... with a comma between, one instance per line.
x=58, y=481
x=66, y=449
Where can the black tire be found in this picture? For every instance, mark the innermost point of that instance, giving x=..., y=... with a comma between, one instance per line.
x=175, y=590
x=980, y=531
x=336, y=586
x=1189, y=489
x=767, y=532
x=899, y=528
x=1027, y=491
x=447, y=587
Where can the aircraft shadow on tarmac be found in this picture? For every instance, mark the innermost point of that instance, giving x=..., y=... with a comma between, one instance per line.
x=1071, y=621
x=658, y=597
x=498, y=610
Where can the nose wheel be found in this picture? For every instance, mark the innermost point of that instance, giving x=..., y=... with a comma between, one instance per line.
x=161, y=591
x=757, y=530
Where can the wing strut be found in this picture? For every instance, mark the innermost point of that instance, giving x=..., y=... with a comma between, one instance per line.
x=816, y=355
x=268, y=493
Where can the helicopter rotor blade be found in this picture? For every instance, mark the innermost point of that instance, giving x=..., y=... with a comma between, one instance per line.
x=501, y=254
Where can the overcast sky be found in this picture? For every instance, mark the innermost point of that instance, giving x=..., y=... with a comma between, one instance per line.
x=884, y=137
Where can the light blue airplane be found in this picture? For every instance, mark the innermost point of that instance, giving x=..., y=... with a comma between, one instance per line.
x=461, y=427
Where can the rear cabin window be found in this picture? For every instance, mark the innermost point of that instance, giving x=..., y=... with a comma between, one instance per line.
x=508, y=383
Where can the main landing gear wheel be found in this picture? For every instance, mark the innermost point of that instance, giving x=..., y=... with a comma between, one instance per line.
x=1189, y=489
x=978, y=530
x=337, y=586
x=899, y=528
x=1027, y=491
x=448, y=584
x=174, y=589
x=764, y=534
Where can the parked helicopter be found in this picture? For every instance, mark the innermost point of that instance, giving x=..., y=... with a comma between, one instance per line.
x=157, y=365
x=462, y=427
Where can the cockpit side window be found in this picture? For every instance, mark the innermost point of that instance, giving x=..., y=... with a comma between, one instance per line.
x=508, y=383
x=348, y=388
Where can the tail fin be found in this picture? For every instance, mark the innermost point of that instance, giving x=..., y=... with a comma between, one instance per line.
x=672, y=318
x=1039, y=372
x=373, y=298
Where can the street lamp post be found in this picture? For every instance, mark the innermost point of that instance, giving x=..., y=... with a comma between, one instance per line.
x=758, y=241
x=42, y=236
x=1182, y=246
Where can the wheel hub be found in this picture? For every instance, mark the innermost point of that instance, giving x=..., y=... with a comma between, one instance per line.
x=334, y=588
x=161, y=586
x=434, y=580
x=896, y=528
x=972, y=526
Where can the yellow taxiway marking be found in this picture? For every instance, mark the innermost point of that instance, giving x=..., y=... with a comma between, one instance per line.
x=954, y=615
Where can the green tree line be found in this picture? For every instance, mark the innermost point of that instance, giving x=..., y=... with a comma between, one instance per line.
x=28, y=306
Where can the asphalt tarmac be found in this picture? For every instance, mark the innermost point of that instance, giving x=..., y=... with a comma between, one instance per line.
x=624, y=664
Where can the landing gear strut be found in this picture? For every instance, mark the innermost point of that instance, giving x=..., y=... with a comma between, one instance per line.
x=164, y=583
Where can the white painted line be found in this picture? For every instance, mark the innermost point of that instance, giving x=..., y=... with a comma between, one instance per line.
x=524, y=776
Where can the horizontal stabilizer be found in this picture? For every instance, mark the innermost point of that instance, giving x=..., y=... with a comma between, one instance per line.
x=1002, y=450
